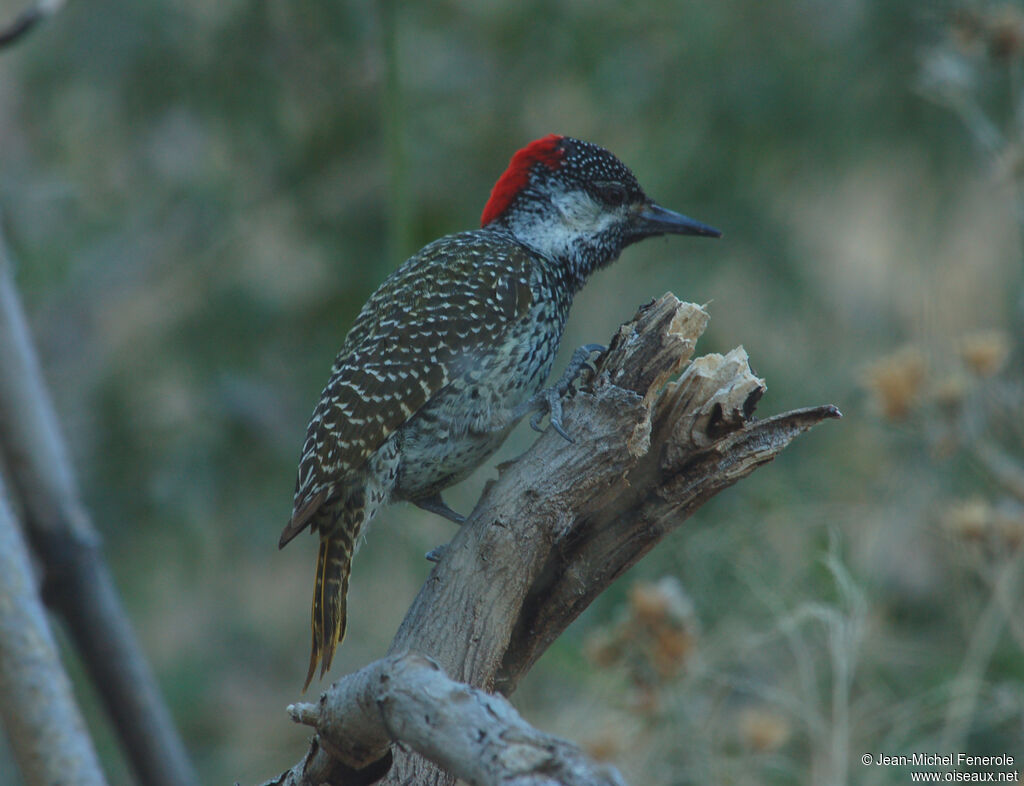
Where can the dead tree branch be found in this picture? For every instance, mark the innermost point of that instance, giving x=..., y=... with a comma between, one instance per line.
x=565, y=520
x=76, y=580
x=27, y=20
x=45, y=729
x=474, y=735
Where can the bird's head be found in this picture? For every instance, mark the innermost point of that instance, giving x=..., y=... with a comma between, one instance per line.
x=575, y=202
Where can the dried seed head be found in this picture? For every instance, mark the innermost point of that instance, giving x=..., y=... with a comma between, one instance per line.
x=985, y=352
x=896, y=381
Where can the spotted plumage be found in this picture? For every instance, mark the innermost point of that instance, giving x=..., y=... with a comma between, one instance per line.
x=454, y=348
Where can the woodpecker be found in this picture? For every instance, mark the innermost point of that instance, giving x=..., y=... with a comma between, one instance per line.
x=453, y=350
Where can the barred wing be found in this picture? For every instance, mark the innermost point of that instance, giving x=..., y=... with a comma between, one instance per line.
x=448, y=305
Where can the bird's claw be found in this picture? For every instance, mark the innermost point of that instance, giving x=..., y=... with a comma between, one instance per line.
x=580, y=360
x=551, y=406
x=435, y=554
x=592, y=349
x=549, y=401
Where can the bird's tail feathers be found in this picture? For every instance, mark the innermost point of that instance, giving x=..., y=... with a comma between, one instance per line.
x=333, y=566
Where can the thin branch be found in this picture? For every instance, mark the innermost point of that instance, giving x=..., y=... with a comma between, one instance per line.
x=966, y=687
x=565, y=520
x=477, y=737
x=1002, y=466
x=76, y=581
x=42, y=721
x=27, y=20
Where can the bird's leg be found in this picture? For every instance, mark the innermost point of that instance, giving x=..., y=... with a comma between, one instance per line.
x=549, y=400
x=437, y=505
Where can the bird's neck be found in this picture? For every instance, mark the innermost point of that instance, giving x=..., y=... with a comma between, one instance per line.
x=571, y=255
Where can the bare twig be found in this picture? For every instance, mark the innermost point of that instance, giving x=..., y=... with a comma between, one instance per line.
x=76, y=580
x=45, y=729
x=477, y=737
x=966, y=687
x=564, y=520
x=1001, y=466
x=27, y=20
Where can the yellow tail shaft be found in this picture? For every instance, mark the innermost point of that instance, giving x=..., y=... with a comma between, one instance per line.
x=333, y=565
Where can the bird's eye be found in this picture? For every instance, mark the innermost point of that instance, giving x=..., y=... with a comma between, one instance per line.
x=613, y=194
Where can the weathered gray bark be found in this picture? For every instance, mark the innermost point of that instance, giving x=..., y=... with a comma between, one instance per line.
x=474, y=735
x=565, y=520
x=27, y=20
x=76, y=581
x=45, y=729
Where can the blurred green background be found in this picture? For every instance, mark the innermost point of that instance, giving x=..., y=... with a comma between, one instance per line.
x=201, y=195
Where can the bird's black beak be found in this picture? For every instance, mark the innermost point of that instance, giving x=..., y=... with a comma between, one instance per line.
x=651, y=219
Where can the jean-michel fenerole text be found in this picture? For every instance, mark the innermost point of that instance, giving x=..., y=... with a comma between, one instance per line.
x=943, y=760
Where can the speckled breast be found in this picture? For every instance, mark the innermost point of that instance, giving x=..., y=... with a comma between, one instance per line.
x=464, y=424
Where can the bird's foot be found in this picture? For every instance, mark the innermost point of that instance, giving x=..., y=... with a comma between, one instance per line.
x=549, y=400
